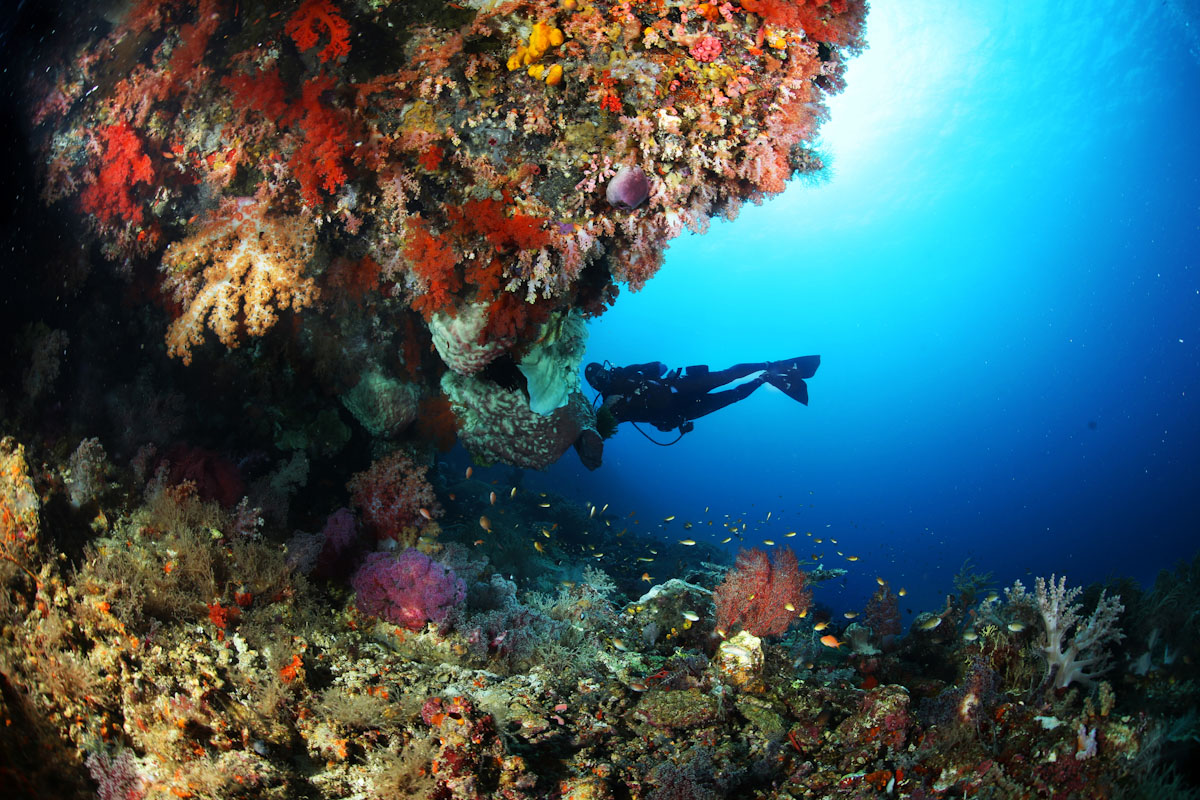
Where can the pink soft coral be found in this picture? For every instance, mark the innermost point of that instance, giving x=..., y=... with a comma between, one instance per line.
x=392, y=495
x=407, y=590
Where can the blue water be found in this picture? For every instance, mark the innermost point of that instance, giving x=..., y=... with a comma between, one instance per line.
x=1008, y=250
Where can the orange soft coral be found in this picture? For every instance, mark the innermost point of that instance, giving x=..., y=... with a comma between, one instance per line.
x=236, y=272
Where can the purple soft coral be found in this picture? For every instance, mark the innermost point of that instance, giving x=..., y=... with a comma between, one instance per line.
x=408, y=590
x=628, y=189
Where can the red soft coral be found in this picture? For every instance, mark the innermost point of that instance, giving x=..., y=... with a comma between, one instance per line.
x=821, y=20
x=511, y=317
x=263, y=92
x=317, y=17
x=434, y=263
x=487, y=218
x=320, y=160
x=756, y=594
x=110, y=197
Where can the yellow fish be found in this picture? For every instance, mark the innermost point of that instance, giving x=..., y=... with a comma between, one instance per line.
x=768, y=542
x=902, y=591
x=646, y=577
x=930, y=623
x=486, y=524
x=820, y=626
x=852, y=558
x=538, y=546
x=688, y=542
x=850, y=614
x=788, y=607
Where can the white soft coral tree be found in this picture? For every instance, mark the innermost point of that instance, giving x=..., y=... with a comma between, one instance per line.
x=1085, y=657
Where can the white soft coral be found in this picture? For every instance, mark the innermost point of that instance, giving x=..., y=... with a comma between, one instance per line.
x=1085, y=656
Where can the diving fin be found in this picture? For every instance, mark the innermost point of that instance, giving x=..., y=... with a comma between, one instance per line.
x=790, y=383
x=801, y=366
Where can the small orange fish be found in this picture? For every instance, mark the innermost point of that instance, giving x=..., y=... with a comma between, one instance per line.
x=829, y=640
x=469, y=471
x=486, y=524
x=820, y=626
x=478, y=542
x=538, y=546
x=492, y=498
x=425, y=513
x=646, y=577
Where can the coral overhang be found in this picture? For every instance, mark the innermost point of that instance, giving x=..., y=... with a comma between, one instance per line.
x=468, y=150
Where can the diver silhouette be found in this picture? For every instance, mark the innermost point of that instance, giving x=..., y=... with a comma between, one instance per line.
x=669, y=399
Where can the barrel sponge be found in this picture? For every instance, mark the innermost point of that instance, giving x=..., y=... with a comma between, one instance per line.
x=457, y=339
x=383, y=405
x=498, y=426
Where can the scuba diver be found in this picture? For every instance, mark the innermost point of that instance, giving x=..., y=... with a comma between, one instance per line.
x=669, y=399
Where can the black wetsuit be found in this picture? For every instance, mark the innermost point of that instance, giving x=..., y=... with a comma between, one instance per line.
x=669, y=399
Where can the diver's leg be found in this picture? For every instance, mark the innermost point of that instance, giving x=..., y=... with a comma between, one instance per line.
x=700, y=379
x=694, y=406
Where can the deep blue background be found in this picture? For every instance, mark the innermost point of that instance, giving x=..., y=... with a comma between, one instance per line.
x=1008, y=249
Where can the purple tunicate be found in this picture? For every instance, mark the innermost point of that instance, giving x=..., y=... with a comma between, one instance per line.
x=629, y=188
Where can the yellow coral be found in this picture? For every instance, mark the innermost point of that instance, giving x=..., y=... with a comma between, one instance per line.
x=541, y=39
